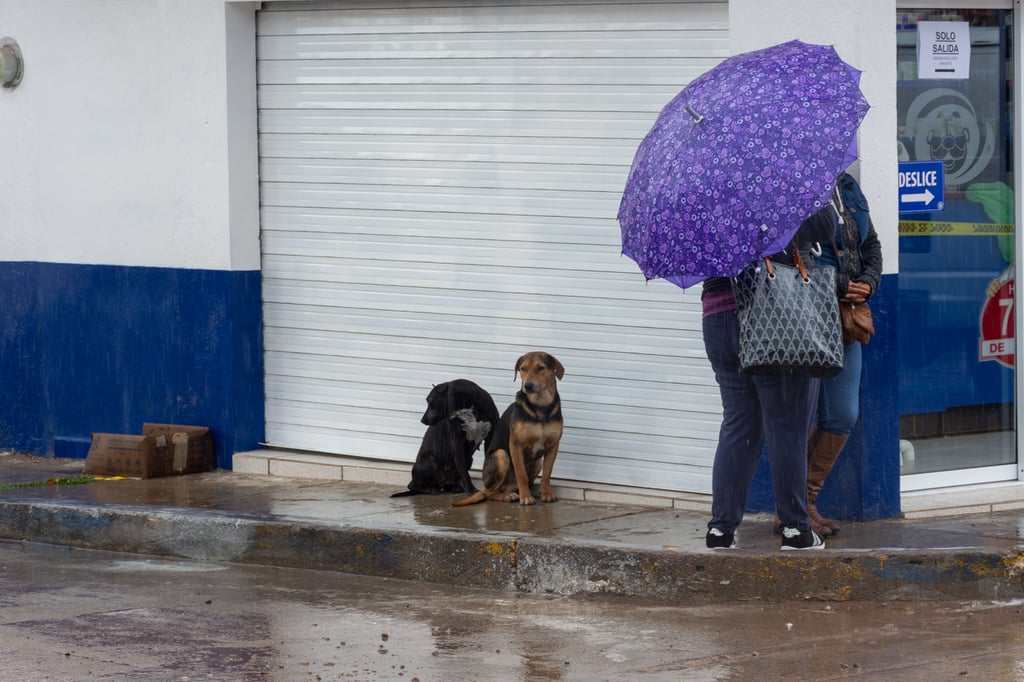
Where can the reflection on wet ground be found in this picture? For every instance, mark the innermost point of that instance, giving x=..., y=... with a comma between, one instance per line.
x=83, y=615
x=370, y=505
x=567, y=547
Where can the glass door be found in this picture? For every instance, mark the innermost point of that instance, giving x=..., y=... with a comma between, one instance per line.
x=956, y=294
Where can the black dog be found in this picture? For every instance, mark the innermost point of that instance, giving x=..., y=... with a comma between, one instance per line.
x=460, y=415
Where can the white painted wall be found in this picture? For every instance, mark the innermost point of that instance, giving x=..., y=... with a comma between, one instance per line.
x=132, y=137
x=864, y=34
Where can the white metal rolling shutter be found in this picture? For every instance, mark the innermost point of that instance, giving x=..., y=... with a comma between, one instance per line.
x=440, y=182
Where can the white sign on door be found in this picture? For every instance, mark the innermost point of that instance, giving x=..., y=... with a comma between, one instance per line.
x=943, y=49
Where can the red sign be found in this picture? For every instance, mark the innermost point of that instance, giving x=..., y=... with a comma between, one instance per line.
x=997, y=342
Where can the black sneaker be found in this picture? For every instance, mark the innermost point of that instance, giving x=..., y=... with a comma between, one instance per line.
x=717, y=539
x=793, y=538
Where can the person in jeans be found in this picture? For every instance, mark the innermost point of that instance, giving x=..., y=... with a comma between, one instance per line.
x=857, y=257
x=759, y=410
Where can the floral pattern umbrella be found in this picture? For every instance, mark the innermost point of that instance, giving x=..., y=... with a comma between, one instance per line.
x=738, y=159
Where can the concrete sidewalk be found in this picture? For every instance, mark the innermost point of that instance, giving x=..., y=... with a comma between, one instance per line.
x=567, y=547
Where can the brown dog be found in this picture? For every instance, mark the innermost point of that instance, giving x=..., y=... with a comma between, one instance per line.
x=527, y=436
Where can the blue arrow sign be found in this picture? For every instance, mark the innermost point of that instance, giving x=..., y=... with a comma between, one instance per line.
x=921, y=186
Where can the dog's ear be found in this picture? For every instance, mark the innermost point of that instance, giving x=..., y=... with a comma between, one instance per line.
x=437, y=391
x=556, y=366
x=515, y=372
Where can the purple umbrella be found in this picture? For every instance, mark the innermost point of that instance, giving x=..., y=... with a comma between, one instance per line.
x=738, y=159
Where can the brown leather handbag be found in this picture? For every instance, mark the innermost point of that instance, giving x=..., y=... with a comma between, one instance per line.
x=855, y=318
x=857, y=322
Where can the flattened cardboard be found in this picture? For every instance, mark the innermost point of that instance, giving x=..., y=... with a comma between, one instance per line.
x=119, y=454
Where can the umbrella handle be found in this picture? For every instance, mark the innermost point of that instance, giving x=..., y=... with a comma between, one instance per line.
x=697, y=118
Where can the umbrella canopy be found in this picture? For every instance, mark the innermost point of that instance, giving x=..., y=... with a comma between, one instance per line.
x=738, y=159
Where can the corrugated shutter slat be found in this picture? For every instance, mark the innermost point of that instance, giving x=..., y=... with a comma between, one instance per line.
x=439, y=184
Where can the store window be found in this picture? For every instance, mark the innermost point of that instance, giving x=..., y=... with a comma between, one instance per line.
x=956, y=246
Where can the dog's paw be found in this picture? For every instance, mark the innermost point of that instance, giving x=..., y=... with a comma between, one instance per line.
x=548, y=498
x=526, y=501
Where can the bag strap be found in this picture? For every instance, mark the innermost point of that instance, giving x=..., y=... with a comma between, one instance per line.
x=798, y=261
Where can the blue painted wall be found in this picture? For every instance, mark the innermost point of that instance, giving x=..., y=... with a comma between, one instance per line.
x=865, y=483
x=86, y=348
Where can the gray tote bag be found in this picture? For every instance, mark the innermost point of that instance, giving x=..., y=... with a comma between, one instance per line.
x=789, y=319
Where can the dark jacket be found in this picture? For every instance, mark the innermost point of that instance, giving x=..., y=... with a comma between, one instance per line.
x=855, y=239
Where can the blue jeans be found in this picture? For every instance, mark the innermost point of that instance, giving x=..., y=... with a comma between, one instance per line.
x=839, y=404
x=757, y=410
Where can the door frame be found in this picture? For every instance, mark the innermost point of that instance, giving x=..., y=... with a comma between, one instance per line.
x=1015, y=471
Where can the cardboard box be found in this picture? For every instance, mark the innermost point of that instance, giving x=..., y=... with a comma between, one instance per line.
x=197, y=442
x=161, y=450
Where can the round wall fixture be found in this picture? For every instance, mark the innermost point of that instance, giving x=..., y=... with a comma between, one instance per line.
x=11, y=65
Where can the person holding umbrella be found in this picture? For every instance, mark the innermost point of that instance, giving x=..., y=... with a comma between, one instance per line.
x=737, y=167
x=758, y=410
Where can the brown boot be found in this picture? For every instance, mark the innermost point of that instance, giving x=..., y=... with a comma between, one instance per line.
x=824, y=449
x=819, y=523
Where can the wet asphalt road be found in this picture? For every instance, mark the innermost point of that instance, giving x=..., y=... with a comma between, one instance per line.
x=82, y=615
